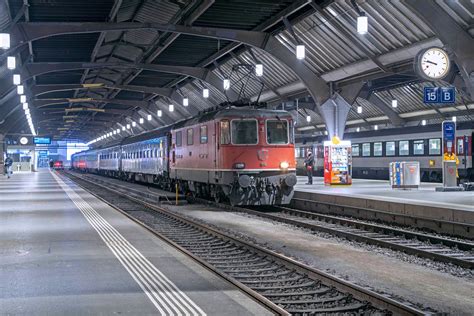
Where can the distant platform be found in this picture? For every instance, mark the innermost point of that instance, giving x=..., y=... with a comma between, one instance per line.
x=423, y=202
x=65, y=252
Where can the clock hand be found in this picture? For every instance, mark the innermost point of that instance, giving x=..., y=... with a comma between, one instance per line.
x=429, y=61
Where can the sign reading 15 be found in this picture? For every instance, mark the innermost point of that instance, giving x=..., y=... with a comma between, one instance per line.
x=439, y=95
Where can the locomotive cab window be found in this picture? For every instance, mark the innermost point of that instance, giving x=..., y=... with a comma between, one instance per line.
x=190, y=136
x=244, y=132
x=203, y=134
x=434, y=146
x=277, y=132
x=418, y=147
x=403, y=148
x=225, y=132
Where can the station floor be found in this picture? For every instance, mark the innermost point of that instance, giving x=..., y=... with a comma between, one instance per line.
x=64, y=252
x=425, y=195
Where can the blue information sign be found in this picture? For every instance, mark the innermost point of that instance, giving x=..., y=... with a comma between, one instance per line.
x=449, y=129
x=439, y=95
x=430, y=95
x=42, y=140
x=447, y=95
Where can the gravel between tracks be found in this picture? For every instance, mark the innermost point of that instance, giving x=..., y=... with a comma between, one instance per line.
x=447, y=287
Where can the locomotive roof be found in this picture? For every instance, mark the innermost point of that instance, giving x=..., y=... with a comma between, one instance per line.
x=232, y=112
x=204, y=117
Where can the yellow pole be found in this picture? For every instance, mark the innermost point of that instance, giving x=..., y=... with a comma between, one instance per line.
x=176, y=193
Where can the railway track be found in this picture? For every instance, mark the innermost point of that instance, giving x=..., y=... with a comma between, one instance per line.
x=424, y=245
x=267, y=276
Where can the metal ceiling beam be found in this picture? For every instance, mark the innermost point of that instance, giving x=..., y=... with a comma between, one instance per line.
x=25, y=32
x=39, y=103
x=35, y=69
x=384, y=107
x=451, y=34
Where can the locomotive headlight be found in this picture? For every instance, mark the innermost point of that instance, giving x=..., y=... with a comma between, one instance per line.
x=239, y=165
x=284, y=165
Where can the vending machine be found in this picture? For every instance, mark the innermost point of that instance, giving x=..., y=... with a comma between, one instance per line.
x=337, y=162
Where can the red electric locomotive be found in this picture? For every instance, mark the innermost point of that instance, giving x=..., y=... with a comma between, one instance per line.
x=247, y=155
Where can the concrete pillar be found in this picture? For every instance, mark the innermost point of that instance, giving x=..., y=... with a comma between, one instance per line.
x=334, y=112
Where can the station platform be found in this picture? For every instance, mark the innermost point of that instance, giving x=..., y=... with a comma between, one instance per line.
x=66, y=252
x=423, y=202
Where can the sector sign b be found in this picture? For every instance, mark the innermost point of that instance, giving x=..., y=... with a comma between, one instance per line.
x=439, y=95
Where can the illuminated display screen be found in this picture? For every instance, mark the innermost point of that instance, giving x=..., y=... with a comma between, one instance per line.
x=42, y=140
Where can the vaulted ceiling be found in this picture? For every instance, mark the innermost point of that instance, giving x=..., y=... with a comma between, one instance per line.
x=82, y=85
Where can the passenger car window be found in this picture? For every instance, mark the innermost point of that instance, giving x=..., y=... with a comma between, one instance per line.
x=460, y=146
x=434, y=146
x=355, y=150
x=277, y=132
x=244, y=132
x=403, y=148
x=225, y=132
x=366, y=149
x=203, y=134
x=179, y=139
x=190, y=136
x=390, y=148
x=418, y=147
x=378, y=149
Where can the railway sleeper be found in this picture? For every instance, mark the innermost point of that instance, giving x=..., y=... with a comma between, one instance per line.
x=354, y=307
x=282, y=287
x=320, y=291
x=271, y=279
x=317, y=300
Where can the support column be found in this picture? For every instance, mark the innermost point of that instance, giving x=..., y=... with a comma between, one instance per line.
x=334, y=112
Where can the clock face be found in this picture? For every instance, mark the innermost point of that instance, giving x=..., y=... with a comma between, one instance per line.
x=23, y=140
x=434, y=63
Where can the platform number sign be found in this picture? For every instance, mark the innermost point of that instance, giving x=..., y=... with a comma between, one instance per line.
x=439, y=95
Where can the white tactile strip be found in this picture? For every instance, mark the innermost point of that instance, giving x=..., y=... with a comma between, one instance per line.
x=161, y=291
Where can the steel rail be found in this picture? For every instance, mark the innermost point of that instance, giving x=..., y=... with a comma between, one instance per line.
x=377, y=300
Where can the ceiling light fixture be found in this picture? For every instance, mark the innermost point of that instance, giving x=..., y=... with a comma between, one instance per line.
x=226, y=84
x=259, y=70
x=300, y=51
x=11, y=62
x=16, y=79
x=362, y=24
x=4, y=40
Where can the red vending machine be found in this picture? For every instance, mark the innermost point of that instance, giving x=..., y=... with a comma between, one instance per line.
x=337, y=162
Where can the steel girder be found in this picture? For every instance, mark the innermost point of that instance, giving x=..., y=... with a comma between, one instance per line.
x=25, y=32
x=451, y=34
x=35, y=69
x=164, y=92
x=39, y=103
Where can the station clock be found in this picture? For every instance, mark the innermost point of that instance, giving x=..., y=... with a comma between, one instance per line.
x=432, y=63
